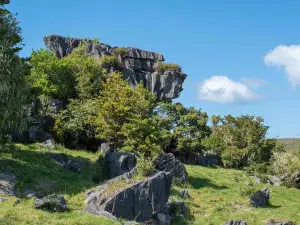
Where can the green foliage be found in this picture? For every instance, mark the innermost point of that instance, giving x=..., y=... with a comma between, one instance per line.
x=120, y=51
x=110, y=61
x=13, y=86
x=162, y=67
x=241, y=140
x=247, y=190
x=285, y=163
x=186, y=128
x=145, y=165
x=124, y=118
x=76, y=121
x=76, y=75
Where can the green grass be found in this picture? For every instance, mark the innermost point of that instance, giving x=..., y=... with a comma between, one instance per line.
x=33, y=167
x=215, y=192
x=216, y=198
x=291, y=144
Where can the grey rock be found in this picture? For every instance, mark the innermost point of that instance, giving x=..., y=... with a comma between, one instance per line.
x=56, y=106
x=275, y=181
x=29, y=193
x=51, y=203
x=48, y=144
x=260, y=198
x=119, y=163
x=36, y=133
x=257, y=179
x=235, y=222
x=168, y=163
x=108, y=215
x=74, y=166
x=209, y=160
x=130, y=223
x=3, y=199
x=279, y=222
x=61, y=158
x=139, y=202
x=106, y=147
x=138, y=65
x=7, y=184
x=184, y=193
x=163, y=219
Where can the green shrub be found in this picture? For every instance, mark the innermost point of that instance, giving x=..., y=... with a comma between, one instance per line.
x=246, y=190
x=234, y=157
x=100, y=171
x=120, y=51
x=285, y=163
x=145, y=165
x=162, y=67
x=110, y=61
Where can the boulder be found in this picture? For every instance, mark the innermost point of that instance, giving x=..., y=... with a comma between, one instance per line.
x=163, y=219
x=61, y=158
x=235, y=222
x=184, y=193
x=106, y=147
x=139, y=202
x=48, y=144
x=29, y=193
x=74, y=166
x=7, y=184
x=260, y=198
x=175, y=207
x=51, y=203
x=279, y=222
x=168, y=163
x=118, y=163
x=137, y=65
x=55, y=106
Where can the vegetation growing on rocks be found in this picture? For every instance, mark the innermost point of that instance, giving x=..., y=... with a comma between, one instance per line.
x=162, y=67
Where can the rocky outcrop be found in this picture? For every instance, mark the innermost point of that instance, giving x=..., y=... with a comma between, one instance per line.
x=260, y=198
x=235, y=222
x=139, y=202
x=168, y=163
x=7, y=184
x=279, y=222
x=70, y=164
x=137, y=65
x=51, y=203
x=118, y=163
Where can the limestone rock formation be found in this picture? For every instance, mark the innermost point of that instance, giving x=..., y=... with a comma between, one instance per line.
x=51, y=203
x=260, y=198
x=139, y=202
x=235, y=222
x=138, y=65
x=168, y=163
x=118, y=163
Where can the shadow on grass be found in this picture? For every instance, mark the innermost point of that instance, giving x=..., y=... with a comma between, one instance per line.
x=35, y=170
x=197, y=183
x=270, y=206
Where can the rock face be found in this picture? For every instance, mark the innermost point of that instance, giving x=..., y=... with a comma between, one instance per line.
x=119, y=163
x=51, y=203
x=235, y=222
x=138, y=65
x=7, y=184
x=279, y=222
x=168, y=163
x=260, y=198
x=140, y=202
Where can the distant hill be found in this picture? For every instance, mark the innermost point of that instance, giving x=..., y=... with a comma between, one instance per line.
x=291, y=144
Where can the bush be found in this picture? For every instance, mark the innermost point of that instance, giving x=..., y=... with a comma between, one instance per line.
x=234, y=157
x=120, y=51
x=162, y=67
x=145, y=165
x=247, y=190
x=110, y=61
x=285, y=163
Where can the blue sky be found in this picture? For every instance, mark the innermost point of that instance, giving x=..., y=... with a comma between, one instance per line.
x=229, y=49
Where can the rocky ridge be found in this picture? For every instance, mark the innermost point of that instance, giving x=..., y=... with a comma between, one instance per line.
x=137, y=65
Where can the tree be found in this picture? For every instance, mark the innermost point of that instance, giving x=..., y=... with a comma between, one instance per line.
x=124, y=116
x=240, y=140
x=184, y=129
x=13, y=86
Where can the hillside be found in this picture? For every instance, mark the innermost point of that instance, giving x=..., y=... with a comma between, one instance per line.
x=215, y=192
x=291, y=144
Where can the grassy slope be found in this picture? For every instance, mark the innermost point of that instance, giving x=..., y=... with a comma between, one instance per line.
x=215, y=193
x=291, y=144
x=32, y=166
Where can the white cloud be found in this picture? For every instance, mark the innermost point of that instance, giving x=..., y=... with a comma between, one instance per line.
x=222, y=89
x=287, y=57
x=253, y=82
